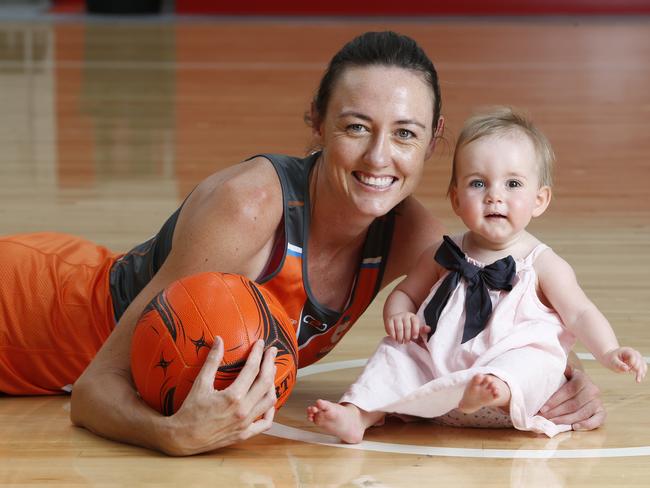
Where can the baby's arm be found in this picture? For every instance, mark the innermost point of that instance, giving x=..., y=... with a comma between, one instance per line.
x=559, y=286
x=400, y=319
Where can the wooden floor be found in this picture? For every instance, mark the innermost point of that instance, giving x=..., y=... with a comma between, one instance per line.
x=106, y=125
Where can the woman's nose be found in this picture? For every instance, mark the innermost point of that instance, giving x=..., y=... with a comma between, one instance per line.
x=378, y=153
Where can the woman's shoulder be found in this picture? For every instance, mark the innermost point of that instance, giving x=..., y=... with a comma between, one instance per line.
x=416, y=230
x=249, y=183
x=248, y=194
x=414, y=221
x=230, y=220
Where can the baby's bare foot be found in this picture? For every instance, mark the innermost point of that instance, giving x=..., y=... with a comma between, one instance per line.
x=343, y=421
x=484, y=390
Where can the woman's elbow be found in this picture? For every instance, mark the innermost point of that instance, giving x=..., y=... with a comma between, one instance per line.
x=86, y=391
x=80, y=392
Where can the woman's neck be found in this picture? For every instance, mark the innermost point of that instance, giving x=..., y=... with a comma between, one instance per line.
x=335, y=245
x=331, y=226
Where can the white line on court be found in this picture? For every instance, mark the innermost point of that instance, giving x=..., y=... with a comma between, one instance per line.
x=286, y=432
x=292, y=433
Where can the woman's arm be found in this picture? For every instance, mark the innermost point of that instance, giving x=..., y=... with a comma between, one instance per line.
x=227, y=224
x=415, y=231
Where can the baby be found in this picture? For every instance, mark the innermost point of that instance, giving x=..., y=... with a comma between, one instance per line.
x=504, y=311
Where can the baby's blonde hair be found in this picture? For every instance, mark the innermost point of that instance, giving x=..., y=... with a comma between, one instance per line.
x=502, y=120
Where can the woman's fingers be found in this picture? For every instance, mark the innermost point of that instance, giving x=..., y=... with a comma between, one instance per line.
x=261, y=395
x=249, y=372
x=588, y=417
x=262, y=424
x=238, y=412
x=205, y=379
x=576, y=403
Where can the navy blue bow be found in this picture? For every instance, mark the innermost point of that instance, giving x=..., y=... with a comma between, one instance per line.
x=478, y=307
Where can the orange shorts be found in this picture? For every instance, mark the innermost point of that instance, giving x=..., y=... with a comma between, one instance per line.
x=55, y=310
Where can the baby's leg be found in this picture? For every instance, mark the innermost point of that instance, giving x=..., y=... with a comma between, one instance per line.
x=344, y=420
x=484, y=390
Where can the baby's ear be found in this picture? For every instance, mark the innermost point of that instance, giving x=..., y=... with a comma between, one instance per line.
x=453, y=198
x=542, y=200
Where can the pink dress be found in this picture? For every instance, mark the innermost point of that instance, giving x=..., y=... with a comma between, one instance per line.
x=524, y=343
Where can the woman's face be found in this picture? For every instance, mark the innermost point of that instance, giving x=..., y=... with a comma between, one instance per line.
x=376, y=135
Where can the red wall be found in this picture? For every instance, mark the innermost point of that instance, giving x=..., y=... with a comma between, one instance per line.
x=429, y=7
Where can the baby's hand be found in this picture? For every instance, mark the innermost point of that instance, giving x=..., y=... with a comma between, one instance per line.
x=626, y=359
x=405, y=326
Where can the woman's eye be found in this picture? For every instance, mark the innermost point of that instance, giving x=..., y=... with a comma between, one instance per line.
x=405, y=134
x=356, y=128
x=477, y=184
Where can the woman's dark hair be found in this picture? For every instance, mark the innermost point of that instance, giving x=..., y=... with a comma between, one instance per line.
x=377, y=49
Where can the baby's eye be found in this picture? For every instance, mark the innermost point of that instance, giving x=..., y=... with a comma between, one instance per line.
x=477, y=184
x=513, y=184
x=405, y=134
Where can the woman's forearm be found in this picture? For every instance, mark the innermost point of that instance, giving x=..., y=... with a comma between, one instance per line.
x=105, y=402
x=109, y=406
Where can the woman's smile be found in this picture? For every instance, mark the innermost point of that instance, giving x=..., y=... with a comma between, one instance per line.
x=375, y=182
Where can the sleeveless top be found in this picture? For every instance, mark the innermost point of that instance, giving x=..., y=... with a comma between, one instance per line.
x=525, y=344
x=318, y=328
x=514, y=315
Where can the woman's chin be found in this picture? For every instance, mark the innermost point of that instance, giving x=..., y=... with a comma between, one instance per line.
x=376, y=207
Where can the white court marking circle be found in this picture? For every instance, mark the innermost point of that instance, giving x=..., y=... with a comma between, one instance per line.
x=292, y=433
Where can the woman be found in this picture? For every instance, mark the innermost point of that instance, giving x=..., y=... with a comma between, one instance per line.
x=324, y=233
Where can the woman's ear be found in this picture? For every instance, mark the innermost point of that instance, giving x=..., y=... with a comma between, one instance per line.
x=315, y=120
x=542, y=200
x=440, y=128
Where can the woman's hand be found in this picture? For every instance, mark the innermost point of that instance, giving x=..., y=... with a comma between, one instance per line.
x=209, y=418
x=405, y=327
x=577, y=402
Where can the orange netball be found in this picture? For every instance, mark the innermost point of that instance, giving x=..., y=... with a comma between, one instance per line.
x=176, y=330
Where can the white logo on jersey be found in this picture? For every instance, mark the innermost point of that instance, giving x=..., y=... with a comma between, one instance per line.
x=315, y=323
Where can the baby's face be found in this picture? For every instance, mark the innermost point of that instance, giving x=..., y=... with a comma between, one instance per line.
x=497, y=189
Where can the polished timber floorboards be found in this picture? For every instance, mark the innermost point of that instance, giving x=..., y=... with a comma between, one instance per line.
x=108, y=124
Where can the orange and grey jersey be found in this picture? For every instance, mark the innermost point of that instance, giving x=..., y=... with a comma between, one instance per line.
x=132, y=271
x=318, y=328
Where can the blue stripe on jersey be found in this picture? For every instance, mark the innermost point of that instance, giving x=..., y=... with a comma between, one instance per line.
x=371, y=262
x=293, y=250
